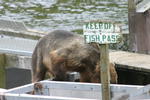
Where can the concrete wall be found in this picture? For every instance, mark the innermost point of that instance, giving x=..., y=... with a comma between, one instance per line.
x=14, y=70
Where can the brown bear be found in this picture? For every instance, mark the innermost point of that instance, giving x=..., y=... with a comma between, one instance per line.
x=113, y=74
x=60, y=52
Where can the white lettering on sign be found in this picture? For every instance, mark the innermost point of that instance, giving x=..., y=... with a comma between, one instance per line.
x=101, y=32
x=101, y=27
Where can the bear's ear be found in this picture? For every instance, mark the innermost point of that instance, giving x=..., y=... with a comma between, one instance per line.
x=58, y=56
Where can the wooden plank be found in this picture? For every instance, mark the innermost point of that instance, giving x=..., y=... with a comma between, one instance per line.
x=139, y=29
x=21, y=89
x=77, y=86
x=8, y=96
x=141, y=93
x=2, y=90
x=2, y=71
x=134, y=61
x=75, y=89
x=132, y=28
x=141, y=34
x=143, y=6
x=148, y=30
x=13, y=51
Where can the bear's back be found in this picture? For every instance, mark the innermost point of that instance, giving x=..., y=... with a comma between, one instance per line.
x=58, y=39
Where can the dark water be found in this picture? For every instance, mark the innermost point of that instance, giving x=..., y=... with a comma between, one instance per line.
x=46, y=15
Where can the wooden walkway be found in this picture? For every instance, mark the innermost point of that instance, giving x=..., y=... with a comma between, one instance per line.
x=135, y=61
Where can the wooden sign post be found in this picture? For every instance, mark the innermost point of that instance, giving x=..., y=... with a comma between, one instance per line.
x=105, y=75
x=102, y=33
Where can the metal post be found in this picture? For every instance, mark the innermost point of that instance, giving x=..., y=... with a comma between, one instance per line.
x=105, y=77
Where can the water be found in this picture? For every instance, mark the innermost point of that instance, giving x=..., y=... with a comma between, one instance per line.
x=47, y=15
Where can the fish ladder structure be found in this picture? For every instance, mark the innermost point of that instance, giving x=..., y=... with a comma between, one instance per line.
x=11, y=42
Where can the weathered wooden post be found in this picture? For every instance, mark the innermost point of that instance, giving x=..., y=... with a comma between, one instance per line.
x=105, y=75
x=102, y=33
x=2, y=71
x=139, y=23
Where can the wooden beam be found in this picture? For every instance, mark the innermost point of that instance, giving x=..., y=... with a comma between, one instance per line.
x=2, y=71
x=148, y=30
x=105, y=79
x=132, y=28
x=143, y=6
x=75, y=91
x=8, y=96
x=139, y=29
x=140, y=93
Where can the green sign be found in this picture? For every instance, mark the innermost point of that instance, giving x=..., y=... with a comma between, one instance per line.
x=101, y=32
